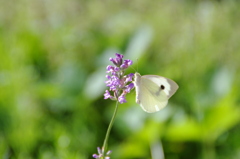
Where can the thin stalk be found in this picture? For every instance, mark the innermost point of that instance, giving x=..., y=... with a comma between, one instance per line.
x=109, y=129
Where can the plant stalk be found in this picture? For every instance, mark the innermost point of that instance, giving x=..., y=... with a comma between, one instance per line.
x=104, y=148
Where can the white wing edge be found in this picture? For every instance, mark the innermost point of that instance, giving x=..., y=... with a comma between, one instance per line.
x=137, y=83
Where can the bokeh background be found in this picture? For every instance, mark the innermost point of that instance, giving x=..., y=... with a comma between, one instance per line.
x=53, y=56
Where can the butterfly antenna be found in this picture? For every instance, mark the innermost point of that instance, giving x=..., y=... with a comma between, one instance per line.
x=133, y=68
x=137, y=65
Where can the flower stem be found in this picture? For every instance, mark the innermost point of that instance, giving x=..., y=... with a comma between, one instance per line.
x=109, y=129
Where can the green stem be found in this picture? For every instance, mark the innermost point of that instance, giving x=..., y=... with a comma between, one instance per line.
x=109, y=129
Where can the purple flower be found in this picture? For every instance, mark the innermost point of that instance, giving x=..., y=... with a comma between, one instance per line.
x=126, y=64
x=111, y=69
x=129, y=77
x=95, y=156
x=122, y=98
x=108, y=77
x=129, y=87
x=118, y=60
x=100, y=154
x=107, y=95
x=117, y=82
x=113, y=82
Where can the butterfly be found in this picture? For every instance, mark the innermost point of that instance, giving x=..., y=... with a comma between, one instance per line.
x=153, y=92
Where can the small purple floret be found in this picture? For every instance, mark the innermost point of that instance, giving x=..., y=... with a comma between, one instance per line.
x=129, y=77
x=118, y=60
x=100, y=154
x=95, y=156
x=126, y=64
x=129, y=87
x=107, y=94
x=122, y=98
x=109, y=152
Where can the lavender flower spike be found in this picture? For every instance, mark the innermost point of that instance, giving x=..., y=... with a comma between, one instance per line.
x=118, y=83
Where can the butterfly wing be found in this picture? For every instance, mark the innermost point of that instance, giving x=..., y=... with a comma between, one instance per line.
x=153, y=92
x=167, y=85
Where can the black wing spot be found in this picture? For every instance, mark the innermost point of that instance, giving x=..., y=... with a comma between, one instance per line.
x=162, y=87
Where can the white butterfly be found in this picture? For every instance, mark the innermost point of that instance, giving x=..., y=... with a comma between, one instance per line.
x=153, y=92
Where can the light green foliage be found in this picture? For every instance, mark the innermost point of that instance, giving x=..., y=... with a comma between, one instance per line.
x=53, y=56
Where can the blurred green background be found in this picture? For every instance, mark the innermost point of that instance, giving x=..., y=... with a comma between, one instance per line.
x=53, y=56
